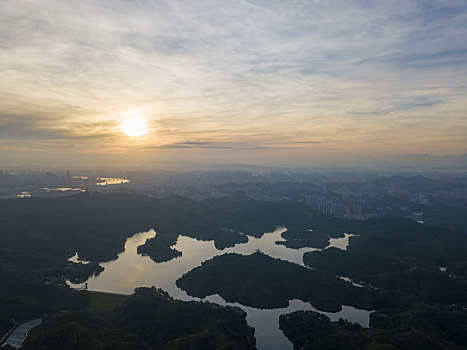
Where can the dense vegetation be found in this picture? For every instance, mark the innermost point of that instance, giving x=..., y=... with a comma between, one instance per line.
x=301, y=236
x=403, y=259
x=261, y=281
x=416, y=278
x=149, y=319
x=396, y=259
x=44, y=232
x=418, y=328
x=25, y=294
x=39, y=235
x=402, y=256
x=159, y=247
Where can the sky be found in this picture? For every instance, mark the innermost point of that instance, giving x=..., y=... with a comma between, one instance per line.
x=289, y=82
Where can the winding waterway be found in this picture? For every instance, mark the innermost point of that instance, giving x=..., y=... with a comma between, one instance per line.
x=131, y=270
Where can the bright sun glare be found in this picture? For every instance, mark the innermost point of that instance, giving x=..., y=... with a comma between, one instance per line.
x=134, y=127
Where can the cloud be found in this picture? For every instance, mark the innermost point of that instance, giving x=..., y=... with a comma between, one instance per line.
x=245, y=145
x=230, y=145
x=210, y=146
x=264, y=73
x=20, y=127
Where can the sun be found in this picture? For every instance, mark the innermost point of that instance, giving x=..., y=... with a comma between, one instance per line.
x=134, y=127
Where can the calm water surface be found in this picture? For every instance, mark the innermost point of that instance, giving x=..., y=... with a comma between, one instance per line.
x=132, y=270
x=341, y=243
x=62, y=189
x=105, y=181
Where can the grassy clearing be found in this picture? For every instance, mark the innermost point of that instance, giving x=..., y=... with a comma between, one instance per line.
x=104, y=302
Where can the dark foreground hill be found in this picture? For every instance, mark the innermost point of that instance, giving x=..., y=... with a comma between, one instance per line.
x=149, y=319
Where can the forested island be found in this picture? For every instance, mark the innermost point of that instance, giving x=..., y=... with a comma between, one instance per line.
x=260, y=281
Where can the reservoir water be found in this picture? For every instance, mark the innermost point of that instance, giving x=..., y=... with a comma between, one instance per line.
x=131, y=270
x=105, y=181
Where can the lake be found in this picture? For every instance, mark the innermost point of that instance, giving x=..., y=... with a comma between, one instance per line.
x=106, y=181
x=131, y=270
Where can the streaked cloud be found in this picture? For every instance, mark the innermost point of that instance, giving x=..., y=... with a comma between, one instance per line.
x=366, y=77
